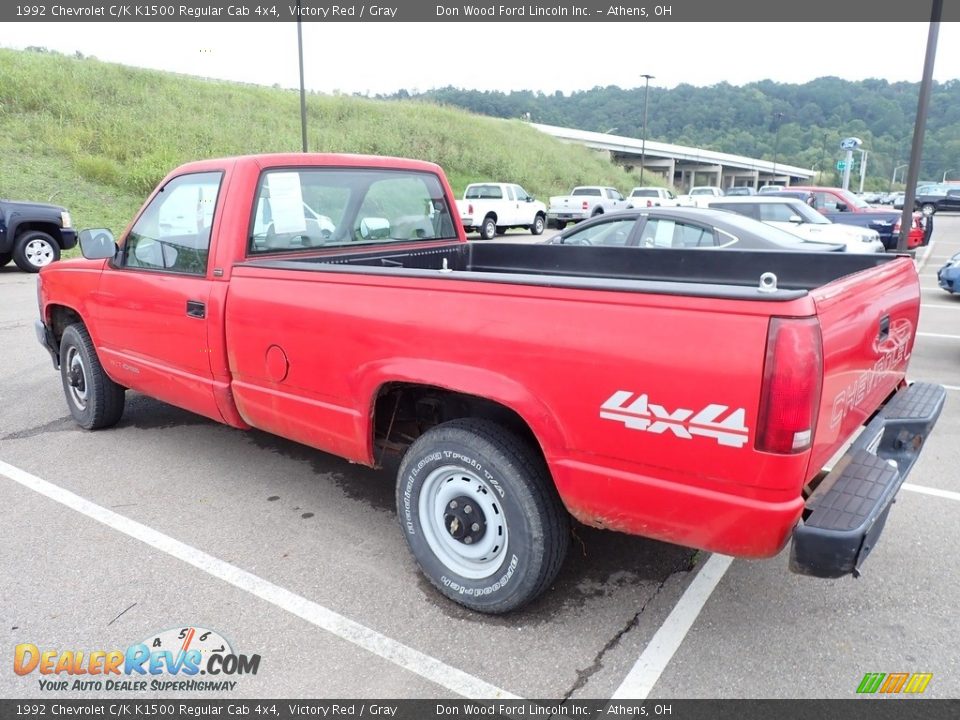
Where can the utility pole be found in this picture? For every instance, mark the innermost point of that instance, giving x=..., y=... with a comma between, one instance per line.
x=920, y=126
x=643, y=141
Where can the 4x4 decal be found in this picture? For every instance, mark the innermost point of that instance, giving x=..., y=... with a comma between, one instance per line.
x=641, y=414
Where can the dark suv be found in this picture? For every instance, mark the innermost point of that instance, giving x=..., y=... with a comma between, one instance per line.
x=33, y=234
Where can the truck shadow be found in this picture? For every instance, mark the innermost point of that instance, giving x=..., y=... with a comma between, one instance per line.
x=599, y=564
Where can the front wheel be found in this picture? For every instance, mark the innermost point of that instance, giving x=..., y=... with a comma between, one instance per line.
x=489, y=229
x=95, y=401
x=34, y=250
x=928, y=209
x=481, y=516
x=537, y=227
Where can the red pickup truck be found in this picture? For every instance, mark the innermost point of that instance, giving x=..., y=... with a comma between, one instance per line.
x=685, y=395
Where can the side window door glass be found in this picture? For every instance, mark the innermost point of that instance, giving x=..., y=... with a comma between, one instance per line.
x=173, y=233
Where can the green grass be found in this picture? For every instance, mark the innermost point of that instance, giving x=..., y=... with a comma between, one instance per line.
x=97, y=137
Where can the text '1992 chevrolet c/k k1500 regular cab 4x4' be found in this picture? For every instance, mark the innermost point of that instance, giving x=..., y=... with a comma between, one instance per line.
x=334, y=300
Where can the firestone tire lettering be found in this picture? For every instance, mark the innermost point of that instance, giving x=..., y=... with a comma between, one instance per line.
x=534, y=522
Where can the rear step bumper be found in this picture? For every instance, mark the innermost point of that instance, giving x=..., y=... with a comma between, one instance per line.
x=845, y=515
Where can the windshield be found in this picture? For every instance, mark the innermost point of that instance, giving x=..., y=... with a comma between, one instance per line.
x=769, y=232
x=808, y=214
x=852, y=200
x=702, y=191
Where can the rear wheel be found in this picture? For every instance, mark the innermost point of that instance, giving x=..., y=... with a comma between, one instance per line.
x=481, y=516
x=928, y=208
x=34, y=249
x=501, y=230
x=95, y=401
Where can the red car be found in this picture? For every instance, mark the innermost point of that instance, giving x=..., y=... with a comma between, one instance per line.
x=690, y=396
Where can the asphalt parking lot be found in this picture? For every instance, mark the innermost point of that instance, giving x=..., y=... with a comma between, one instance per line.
x=171, y=521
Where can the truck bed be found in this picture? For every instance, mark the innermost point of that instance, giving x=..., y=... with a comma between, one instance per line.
x=726, y=274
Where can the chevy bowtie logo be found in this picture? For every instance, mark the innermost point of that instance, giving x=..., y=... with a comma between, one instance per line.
x=641, y=414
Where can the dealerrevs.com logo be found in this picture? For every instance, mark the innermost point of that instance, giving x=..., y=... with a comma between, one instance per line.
x=181, y=659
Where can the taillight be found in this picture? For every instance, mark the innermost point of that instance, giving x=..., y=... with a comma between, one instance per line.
x=792, y=379
x=649, y=203
x=896, y=227
x=586, y=205
x=470, y=209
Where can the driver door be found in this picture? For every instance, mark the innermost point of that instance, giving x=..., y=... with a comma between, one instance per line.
x=150, y=310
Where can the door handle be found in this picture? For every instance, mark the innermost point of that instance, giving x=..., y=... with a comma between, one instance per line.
x=196, y=309
x=884, y=328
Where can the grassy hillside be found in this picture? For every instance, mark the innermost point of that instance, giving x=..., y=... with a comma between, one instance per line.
x=96, y=137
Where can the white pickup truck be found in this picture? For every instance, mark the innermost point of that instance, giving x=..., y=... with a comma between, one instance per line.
x=701, y=195
x=641, y=197
x=583, y=202
x=493, y=208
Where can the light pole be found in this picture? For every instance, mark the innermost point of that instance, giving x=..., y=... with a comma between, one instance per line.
x=303, y=94
x=776, y=146
x=643, y=140
x=893, y=179
x=947, y=172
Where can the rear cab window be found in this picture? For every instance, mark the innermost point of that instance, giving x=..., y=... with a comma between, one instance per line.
x=304, y=208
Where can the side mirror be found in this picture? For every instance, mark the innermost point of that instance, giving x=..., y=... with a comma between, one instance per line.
x=796, y=219
x=97, y=244
x=374, y=228
x=529, y=198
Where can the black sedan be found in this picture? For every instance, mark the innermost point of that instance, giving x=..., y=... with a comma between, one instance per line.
x=684, y=228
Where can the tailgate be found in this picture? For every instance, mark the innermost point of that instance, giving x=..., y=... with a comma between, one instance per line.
x=868, y=322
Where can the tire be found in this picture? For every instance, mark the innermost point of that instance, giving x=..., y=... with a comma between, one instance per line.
x=475, y=469
x=34, y=249
x=928, y=209
x=598, y=211
x=559, y=224
x=488, y=229
x=502, y=229
x=537, y=227
x=5, y=259
x=95, y=401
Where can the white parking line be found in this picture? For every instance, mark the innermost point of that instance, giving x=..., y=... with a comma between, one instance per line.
x=938, y=335
x=940, y=306
x=948, y=494
x=353, y=632
x=653, y=661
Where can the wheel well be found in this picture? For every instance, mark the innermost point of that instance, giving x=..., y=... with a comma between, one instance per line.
x=49, y=228
x=490, y=216
x=60, y=318
x=402, y=412
x=598, y=211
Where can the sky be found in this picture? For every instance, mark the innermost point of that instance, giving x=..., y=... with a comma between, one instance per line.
x=381, y=58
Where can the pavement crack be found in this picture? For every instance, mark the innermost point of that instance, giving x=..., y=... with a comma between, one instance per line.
x=118, y=616
x=584, y=675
